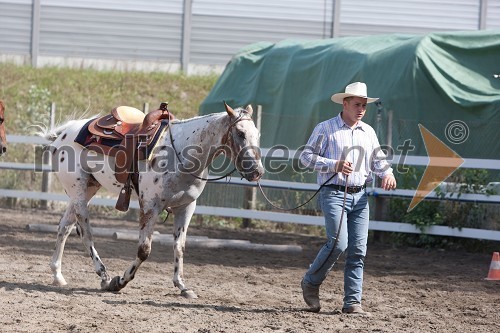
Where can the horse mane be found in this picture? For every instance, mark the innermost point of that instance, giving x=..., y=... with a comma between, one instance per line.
x=217, y=115
x=182, y=121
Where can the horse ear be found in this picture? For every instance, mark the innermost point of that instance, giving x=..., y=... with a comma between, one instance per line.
x=249, y=109
x=229, y=110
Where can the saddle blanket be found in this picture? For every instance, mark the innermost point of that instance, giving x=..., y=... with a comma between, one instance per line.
x=85, y=138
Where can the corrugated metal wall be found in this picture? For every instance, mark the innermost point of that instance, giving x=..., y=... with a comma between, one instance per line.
x=109, y=33
x=366, y=17
x=155, y=30
x=112, y=29
x=493, y=14
x=15, y=27
x=220, y=28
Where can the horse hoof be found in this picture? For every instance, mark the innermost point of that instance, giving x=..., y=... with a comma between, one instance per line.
x=105, y=284
x=59, y=283
x=188, y=293
x=114, y=284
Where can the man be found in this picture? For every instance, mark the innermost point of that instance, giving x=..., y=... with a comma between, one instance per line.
x=344, y=151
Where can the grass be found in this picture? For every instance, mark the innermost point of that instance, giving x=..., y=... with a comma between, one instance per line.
x=28, y=92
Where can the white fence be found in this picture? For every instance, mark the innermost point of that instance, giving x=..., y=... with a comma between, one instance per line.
x=288, y=217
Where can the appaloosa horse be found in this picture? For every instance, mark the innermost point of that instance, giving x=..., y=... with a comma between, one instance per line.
x=3, y=138
x=172, y=178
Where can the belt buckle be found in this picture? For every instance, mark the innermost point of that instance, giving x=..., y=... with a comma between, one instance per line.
x=353, y=189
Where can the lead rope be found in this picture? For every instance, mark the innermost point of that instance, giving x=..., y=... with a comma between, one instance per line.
x=308, y=200
x=341, y=216
x=317, y=191
x=340, y=226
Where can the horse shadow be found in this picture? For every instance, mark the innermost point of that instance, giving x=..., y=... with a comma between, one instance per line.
x=46, y=288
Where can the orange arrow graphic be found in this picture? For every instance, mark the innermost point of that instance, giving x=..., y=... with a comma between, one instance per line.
x=442, y=163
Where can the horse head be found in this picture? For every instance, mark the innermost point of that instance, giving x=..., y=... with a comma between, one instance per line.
x=3, y=138
x=242, y=138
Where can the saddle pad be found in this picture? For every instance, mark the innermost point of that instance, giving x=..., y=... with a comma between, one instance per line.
x=85, y=138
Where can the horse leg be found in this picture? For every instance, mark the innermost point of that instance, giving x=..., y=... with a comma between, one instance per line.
x=77, y=212
x=66, y=223
x=182, y=217
x=85, y=230
x=147, y=220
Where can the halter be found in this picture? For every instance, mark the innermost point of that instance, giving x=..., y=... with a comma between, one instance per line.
x=226, y=138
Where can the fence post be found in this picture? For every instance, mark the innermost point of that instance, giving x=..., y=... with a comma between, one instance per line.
x=47, y=175
x=381, y=202
x=250, y=198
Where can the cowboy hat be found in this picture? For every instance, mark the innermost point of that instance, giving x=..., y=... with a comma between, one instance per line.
x=356, y=89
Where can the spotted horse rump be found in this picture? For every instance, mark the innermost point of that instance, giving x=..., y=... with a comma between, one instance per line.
x=171, y=178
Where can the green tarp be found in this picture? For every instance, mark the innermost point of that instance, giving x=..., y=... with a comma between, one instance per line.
x=432, y=80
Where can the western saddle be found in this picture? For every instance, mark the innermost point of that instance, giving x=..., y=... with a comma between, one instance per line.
x=127, y=134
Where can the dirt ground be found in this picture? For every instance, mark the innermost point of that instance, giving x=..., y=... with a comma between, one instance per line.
x=406, y=289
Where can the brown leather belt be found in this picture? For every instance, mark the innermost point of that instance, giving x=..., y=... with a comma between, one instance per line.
x=350, y=189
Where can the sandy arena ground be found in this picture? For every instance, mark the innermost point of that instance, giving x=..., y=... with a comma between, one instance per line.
x=406, y=289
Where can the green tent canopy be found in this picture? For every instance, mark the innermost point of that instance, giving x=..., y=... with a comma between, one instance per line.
x=430, y=80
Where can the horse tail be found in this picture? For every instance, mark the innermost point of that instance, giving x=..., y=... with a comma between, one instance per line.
x=53, y=134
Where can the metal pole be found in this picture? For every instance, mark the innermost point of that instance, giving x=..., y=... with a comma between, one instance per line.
x=483, y=11
x=389, y=128
x=335, y=30
x=186, y=35
x=377, y=129
x=380, y=202
x=35, y=32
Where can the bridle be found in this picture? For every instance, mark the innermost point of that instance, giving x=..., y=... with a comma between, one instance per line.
x=226, y=138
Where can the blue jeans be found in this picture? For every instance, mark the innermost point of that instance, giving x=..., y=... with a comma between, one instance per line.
x=353, y=238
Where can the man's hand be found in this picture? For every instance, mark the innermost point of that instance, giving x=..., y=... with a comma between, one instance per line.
x=344, y=167
x=389, y=182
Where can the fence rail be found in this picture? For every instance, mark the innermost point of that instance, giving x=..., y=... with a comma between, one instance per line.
x=285, y=185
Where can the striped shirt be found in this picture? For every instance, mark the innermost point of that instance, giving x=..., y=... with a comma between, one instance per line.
x=332, y=140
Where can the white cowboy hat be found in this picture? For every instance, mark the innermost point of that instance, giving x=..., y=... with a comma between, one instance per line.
x=356, y=89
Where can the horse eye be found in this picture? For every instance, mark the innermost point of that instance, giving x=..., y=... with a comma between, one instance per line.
x=240, y=134
x=1, y=121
